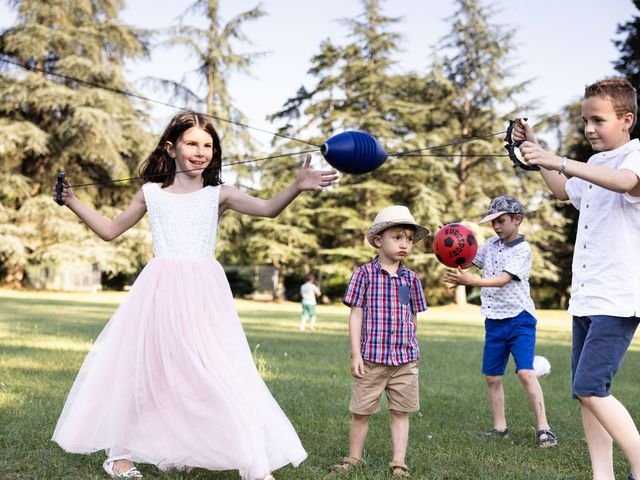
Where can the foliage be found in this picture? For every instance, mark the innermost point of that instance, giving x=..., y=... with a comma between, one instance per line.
x=357, y=89
x=50, y=122
x=474, y=62
x=629, y=62
x=461, y=101
x=213, y=47
x=567, y=130
x=240, y=283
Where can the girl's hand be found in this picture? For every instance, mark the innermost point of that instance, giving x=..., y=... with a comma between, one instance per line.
x=534, y=154
x=357, y=366
x=67, y=193
x=522, y=131
x=309, y=179
x=459, y=277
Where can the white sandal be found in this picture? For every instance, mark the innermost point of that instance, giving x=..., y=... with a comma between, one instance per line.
x=133, y=472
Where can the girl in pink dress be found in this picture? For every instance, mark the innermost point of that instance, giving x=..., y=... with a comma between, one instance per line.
x=171, y=380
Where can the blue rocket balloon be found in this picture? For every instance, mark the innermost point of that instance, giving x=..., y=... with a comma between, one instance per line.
x=353, y=152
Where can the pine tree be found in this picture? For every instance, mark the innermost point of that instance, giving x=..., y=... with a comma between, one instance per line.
x=629, y=62
x=567, y=129
x=52, y=118
x=473, y=59
x=213, y=47
x=356, y=90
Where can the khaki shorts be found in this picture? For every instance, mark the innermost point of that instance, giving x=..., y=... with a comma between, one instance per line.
x=400, y=383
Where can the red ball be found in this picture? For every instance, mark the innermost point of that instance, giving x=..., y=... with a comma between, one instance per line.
x=455, y=245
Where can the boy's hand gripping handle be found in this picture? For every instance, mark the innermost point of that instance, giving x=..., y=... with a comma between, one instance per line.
x=59, y=188
x=511, y=148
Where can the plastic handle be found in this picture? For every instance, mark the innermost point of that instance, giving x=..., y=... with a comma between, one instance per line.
x=59, y=188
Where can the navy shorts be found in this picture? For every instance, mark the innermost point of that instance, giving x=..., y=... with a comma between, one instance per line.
x=515, y=336
x=598, y=346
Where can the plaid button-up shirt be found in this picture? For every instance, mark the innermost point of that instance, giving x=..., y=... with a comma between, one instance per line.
x=388, y=302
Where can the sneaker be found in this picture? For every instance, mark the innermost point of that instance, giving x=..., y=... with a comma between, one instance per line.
x=494, y=432
x=546, y=438
x=631, y=477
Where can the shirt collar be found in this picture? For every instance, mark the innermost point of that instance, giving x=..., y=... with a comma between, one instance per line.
x=512, y=243
x=378, y=266
x=622, y=150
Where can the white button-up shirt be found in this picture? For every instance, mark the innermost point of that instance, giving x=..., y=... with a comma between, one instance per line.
x=606, y=258
x=495, y=257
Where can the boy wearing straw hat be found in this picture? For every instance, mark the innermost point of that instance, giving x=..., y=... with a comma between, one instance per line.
x=385, y=297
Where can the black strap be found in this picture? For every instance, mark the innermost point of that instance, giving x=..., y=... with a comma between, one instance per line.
x=511, y=148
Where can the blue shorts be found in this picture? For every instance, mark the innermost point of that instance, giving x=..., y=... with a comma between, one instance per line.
x=516, y=336
x=598, y=345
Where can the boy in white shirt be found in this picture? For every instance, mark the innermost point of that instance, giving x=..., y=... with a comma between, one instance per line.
x=605, y=292
x=308, y=291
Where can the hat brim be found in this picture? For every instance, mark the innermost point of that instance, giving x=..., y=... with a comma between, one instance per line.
x=491, y=216
x=378, y=228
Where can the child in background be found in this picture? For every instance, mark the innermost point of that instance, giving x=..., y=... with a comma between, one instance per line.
x=605, y=289
x=385, y=297
x=510, y=322
x=171, y=380
x=309, y=291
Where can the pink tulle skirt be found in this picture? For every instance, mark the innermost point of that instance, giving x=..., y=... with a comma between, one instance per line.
x=171, y=381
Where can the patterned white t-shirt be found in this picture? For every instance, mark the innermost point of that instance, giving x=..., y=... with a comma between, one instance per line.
x=495, y=257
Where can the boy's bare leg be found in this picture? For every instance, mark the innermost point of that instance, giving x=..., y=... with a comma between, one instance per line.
x=358, y=434
x=303, y=323
x=312, y=325
x=605, y=419
x=399, y=434
x=536, y=398
x=496, y=397
x=600, y=446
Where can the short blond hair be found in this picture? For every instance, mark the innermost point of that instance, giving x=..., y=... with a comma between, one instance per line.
x=619, y=92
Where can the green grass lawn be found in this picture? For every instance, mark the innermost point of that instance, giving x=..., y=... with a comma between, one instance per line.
x=45, y=337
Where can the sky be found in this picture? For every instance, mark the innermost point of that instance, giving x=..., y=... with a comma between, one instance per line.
x=560, y=44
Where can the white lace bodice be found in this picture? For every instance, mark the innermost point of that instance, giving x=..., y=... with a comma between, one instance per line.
x=183, y=225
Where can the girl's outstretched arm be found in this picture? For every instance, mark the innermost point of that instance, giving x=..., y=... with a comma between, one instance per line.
x=308, y=179
x=105, y=228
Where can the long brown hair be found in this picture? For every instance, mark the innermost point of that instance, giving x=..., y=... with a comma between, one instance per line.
x=160, y=167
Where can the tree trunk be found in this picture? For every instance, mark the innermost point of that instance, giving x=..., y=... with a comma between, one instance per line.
x=461, y=295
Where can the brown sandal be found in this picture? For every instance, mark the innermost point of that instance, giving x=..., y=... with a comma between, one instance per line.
x=347, y=464
x=398, y=469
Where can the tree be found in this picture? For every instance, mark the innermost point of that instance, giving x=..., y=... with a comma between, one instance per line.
x=213, y=47
x=473, y=60
x=52, y=118
x=356, y=90
x=568, y=130
x=629, y=62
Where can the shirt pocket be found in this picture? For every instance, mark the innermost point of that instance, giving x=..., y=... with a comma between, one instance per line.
x=404, y=293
